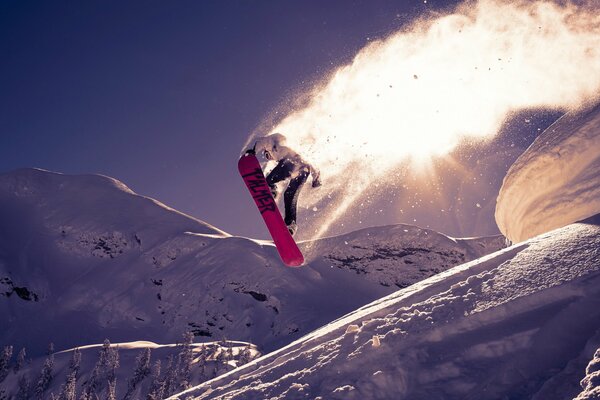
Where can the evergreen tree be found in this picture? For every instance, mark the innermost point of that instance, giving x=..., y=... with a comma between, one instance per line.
x=24, y=387
x=20, y=363
x=229, y=354
x=202, y=358
x=5, y=361
x=157, y=386
x=170, y=379
x=45, y=376
x=91, y=386
x=220, y=360
x=245, y=356
x=104, y=355
x=75, y=362
x=111, y=375
x=142, y=370
x=107, y=356
x=68, y=391
x=112, y=390
x=186, y=359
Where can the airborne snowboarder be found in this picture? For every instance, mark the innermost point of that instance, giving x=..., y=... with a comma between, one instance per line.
x=290, y=165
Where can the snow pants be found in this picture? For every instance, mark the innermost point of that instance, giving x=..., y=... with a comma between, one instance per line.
x=282, y=171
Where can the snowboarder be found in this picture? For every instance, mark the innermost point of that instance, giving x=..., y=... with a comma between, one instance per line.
x=289, y=165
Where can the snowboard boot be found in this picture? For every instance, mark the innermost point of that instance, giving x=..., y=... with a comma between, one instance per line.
x=292, y=228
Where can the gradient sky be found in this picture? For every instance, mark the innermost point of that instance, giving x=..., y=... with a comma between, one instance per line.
x=162, y=95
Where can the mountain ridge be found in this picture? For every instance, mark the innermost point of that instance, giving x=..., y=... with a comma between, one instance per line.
x=99, y=261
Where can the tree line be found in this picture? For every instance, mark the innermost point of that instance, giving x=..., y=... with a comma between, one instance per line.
x=150, y=380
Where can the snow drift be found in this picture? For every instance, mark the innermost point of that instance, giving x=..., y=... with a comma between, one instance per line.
x=83, y=258
x=521, y=323
x=556, y=181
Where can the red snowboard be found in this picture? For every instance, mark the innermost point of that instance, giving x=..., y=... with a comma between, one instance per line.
x=254, y=179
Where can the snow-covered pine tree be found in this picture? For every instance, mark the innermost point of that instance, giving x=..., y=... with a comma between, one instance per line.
x=112, y=390
x=45, y=375
x=5, y=361
x=229, y=354
x=84, y=395
x=103, y=355
x=157, y=385
x=111, y=373
x=20, y=360
x=220, y=360
x=91, y=386
x=170, y=380
x=75, y=362
x=186, y=359
x=97, y=380
x=201, y=359
x=245, y=356
x=142, y=370
x=23, y=393
x=68, y=391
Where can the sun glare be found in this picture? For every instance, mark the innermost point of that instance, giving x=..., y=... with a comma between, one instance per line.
x=419, y=92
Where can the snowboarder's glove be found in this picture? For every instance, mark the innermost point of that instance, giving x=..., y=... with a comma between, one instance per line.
x=316, y=182
x=250, y=151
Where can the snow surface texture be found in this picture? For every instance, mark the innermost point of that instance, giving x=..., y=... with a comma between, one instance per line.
x=521, y=323
x=83, y=258
x=556, y=181
x=591, y=382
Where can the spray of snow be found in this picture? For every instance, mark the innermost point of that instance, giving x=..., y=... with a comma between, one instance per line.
x=417, y=93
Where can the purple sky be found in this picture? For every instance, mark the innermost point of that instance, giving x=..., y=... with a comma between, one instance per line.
x=162, y=95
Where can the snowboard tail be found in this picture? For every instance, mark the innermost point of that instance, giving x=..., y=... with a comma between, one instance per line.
x=255, y=181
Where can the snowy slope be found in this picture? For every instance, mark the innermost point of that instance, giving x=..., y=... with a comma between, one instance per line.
x=207, y=360
x=522, y=323
x=556, y=181
x=82, y=258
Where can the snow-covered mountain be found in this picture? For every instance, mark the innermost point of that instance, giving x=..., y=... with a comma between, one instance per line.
x=83, y=258
x=522, y=323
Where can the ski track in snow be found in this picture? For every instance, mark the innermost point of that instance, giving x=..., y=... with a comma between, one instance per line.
x=483, y=330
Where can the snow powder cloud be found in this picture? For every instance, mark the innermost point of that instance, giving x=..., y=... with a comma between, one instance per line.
x=418, y=92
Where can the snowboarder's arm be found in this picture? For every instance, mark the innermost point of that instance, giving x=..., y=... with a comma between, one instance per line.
x=315, y=173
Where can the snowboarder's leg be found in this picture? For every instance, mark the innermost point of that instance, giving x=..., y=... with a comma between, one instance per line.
x=290, y=198
x=282, y=171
